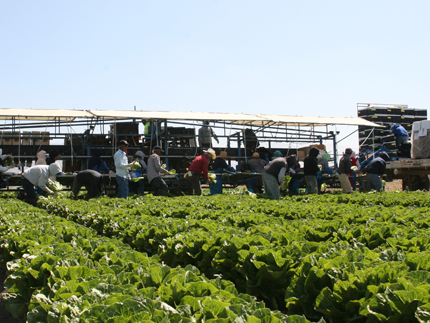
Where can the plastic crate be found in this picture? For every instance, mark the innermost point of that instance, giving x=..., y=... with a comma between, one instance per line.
x=389, y=138
x=393, y=111
x=421, y=112
x=364, y=128
x=378, y=110
x=420, y=118
x=390, y=145
x=408, y=127
x=407, y=118
x=364, y=112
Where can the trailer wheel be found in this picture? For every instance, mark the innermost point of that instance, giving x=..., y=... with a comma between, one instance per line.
x=416, y=182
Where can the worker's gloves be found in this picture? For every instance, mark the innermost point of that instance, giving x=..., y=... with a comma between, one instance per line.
x=291, y=171
x=111, y=174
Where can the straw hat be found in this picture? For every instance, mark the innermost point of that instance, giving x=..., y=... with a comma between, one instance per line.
x=223, y=154
x=210, y=151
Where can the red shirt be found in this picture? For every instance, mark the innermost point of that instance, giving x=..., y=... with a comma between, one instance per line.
x=200, y=165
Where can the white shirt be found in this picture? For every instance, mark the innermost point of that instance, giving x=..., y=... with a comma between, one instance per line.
x=121, y=164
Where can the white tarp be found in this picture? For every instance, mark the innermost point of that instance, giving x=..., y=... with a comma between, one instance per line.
x=43, y=114
x=235, y=118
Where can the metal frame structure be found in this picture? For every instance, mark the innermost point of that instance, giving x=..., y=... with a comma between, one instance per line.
x=271, y=129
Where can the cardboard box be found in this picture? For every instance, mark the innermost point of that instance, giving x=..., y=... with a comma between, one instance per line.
x=26, y=138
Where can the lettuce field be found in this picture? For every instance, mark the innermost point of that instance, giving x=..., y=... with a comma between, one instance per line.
x=363, y=257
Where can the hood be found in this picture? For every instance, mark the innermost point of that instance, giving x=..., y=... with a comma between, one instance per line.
x=292, y=160
x=54, y=169
x=384, y=156
x=314, y=152
x=140, y=154
x=41, y=154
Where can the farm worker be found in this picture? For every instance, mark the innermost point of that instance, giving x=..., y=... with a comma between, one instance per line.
x=205, y=135
x=154, y=169
x=198, y=167
x=121, y=165
x=53, y=156
x=375, y=169
x=353, y=175
x=40, y=175
x=344, y=169
x=136, y=173
x=257, y=166
x=219, y=165
x=276, y=154
x=293, y=185
x=86, y=137
x=150, y=132
x=400, y=133
x=41, y=157
x=92, y=180
x=311, y=170
x=4, y=168
x=274, y=174
x=324, y=169
x=97, y=163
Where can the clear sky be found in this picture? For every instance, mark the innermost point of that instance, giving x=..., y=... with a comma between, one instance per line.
x=311, y=58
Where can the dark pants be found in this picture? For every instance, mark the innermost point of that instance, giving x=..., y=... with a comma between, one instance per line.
x=194, y=181
x=92, y=190
x=31, y=197
x=159, y=186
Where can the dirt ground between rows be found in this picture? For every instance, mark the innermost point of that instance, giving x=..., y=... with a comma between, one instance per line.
x=395, y=185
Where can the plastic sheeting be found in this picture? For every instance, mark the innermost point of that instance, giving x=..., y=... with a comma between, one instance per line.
x=233, y=118
x=420, y=139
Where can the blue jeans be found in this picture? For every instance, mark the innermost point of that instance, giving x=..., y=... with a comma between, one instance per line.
x=400, y=140
x=216, y=188
x=122, y=187
x=374, y=181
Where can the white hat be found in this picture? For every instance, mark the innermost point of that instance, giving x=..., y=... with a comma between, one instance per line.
x=211, y=152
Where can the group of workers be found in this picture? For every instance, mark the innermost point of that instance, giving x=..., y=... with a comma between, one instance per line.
x=35, y=180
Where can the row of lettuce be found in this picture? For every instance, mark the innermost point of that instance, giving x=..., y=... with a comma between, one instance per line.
x=342, y=258
x=59, y=271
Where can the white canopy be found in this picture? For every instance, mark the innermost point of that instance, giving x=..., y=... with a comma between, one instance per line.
x=43, y=114
x=235, y=118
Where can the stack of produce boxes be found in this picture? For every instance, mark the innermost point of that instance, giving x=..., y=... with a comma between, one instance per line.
x=372, y=139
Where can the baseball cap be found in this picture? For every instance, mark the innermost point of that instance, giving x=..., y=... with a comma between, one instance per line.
x=158, y=148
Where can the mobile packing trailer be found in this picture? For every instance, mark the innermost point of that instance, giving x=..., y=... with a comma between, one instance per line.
x=77, y=133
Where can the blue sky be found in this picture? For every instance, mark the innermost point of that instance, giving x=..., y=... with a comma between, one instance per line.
x=279, y=57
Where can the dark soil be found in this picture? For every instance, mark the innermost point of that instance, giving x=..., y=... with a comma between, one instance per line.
x=5, y=316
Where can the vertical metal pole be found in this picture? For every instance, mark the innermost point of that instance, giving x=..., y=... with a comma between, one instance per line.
x=239, y=153
x=165, y=144
x=335, y=151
